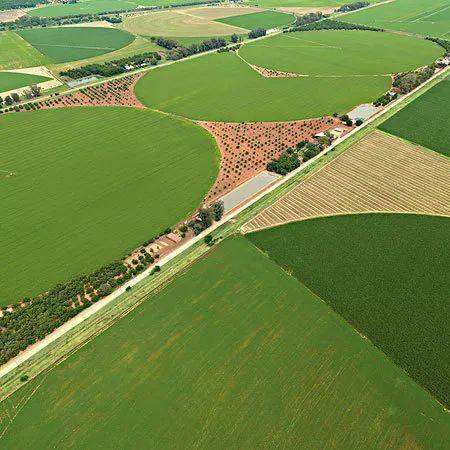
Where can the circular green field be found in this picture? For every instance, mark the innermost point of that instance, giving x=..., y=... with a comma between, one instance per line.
x=341, y=53
x=222, y=87
x=81, y=187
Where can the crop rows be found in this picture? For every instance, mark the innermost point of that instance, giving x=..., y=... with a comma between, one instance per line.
x=380, y=173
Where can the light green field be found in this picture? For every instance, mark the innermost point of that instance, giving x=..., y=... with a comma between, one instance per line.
x=13, y=80
x=386, y=274
x=97, y=6
x=426, y=120
x=222, y=87
x=425, y=17
x=16, y=53
x=341, y=53
x=232, y=354
x=264, y=19
x=297, y=3
x=87, y=185
x=72, y=43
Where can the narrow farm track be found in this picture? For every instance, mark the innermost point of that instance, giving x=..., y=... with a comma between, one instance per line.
x=380, y=173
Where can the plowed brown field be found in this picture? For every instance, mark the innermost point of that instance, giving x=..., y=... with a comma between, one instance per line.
x=380, y=173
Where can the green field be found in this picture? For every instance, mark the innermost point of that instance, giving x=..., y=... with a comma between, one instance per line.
x=386, y=274
x=299, y=3
x=264, y=19
x=14, y=80
x=222, y=87
x=15, y=53
x=97, y=6
x=426, y=120
x=71, y=43
x=232, y=354
x=87, y=185
x=428, y=18
x=341, y=53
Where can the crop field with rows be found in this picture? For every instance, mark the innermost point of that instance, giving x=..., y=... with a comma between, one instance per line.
x=380, y=173
x=426, y=120
x=386, y=274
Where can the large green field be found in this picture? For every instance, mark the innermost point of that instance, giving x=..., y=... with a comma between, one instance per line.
x=388, y=275
x=234, y=353
x=299, y=3
x=325, y=53
x=87, y=185
x=97, y=6
x=16, y=53
x=264, y=19
x=426, y=120
x=223, y=87
x=14, y=80
x=72, y=43
x=424, y=17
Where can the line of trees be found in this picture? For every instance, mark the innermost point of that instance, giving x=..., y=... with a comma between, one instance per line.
x=32, y=92
x=407, y=81
x=206, y=217
x=292, y=158
x=329, y=24
x=178, y=51
x=442, y=42
x=353, y=6
x=114, y=67
x=256, y=33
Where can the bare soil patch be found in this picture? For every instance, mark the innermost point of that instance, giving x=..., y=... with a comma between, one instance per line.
x=246, y=148
x=118, y=92
x=270, y=73
x=380, y=173
x=12, y=15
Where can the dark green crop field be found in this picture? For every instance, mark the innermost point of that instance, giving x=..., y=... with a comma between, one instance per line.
x=72, y=43
x=14, y=80
x=223, y=87
x=388, y=275
x=234, y=353
x=349, y=53
x=264, y=19
x=425, y=121
x=87, y=185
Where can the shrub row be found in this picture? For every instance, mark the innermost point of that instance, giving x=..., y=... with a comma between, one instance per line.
x=329, y=24
x=178, y=51
x=407, y=81
x=353, y=6
x=442, y=42
x=115, y=67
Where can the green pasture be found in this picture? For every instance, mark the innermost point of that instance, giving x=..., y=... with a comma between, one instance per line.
x=87, y=185
x=16, y=53
x=72, y=43
x=15, y=80
x=234, y=353
x=424, y=17
x=350, y=53
x=426, y=120
x=222, y=87
x=264, y=19
x=299, y=3
x=97, y=6
x=386, y=274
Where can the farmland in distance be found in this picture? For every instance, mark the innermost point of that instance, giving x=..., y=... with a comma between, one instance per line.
x=427, y=18
x=72, y=43
x=87, y=185
x=253, y=358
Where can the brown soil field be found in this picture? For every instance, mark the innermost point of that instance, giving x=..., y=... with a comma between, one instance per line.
x=12, y=15
x=380, y=173
x=270, y=73
x=246, y=148
x=112, y=93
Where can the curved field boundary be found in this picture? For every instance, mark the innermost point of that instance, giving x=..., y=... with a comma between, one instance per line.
x=380, y=173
